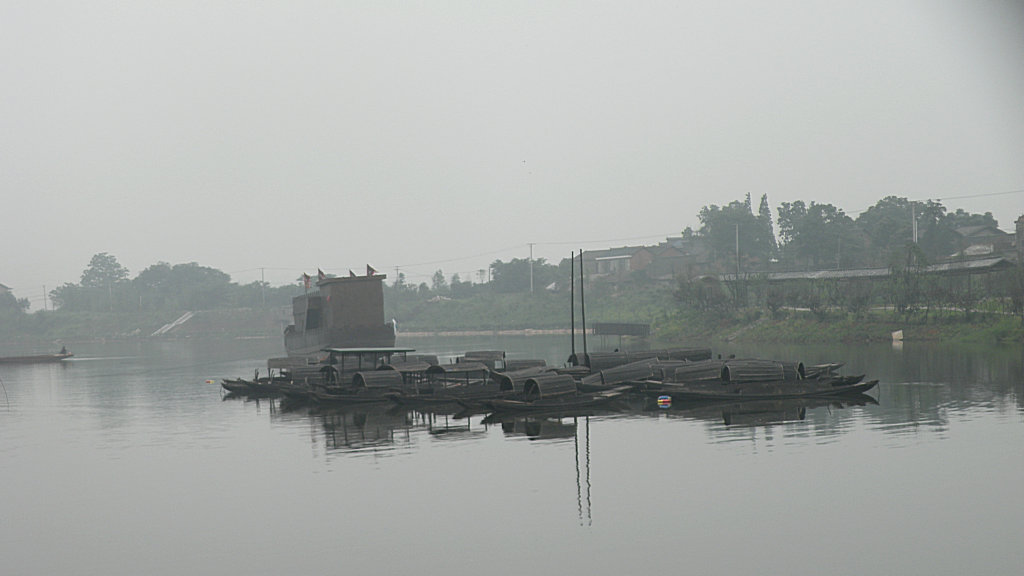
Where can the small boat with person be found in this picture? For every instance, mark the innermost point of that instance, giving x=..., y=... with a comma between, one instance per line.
x=37, y=358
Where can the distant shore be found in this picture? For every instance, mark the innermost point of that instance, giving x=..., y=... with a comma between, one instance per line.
x=518, y=332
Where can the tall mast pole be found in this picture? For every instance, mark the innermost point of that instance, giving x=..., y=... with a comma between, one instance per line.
x=572, y=303
x=583, y=310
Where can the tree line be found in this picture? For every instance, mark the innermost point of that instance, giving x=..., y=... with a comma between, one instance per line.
x=105, y=286
x=808, y=237
x=821, y=236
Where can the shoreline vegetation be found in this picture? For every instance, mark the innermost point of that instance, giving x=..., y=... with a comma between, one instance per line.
x=546, y=314
x=790, y=286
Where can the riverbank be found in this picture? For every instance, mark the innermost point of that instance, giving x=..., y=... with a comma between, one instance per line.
x=801, y=328
x=751, y=326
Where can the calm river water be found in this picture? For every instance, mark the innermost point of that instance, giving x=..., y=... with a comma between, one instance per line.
x=126, y=461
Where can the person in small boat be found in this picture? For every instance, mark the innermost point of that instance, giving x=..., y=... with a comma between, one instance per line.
x=63, y=350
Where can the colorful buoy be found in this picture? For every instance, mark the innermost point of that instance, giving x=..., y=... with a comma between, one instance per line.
x=664, y=401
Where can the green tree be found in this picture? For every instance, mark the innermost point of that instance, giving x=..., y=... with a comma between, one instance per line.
x=438, y=284
x=764, y=218
x=514, y=276
x=889, y=226
x=819, y=236
x=10, y=304
x=733, y=228
x=186, y=287
x=961, y=218
x=460, y=289
x=103, y=271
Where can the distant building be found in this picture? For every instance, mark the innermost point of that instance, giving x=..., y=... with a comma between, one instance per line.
x=970, y=267
x=616, y=263
x=1020, y=240
x=680, y=257
x=668, y=260
x=4, y=290
x=982, y=241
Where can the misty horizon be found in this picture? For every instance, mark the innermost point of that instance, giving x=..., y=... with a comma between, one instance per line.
x=268, y=140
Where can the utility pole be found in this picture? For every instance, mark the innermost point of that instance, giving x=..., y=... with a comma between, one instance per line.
x=531, y=267
x=913, y=221
x=263, y=290
x=737, y=251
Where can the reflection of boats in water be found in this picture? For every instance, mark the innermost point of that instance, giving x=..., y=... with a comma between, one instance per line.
x=539, y=427
x=361, y=427
x=752, y=412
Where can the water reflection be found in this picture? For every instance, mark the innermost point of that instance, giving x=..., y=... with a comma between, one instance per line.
x=384, y=427
x=752, y=413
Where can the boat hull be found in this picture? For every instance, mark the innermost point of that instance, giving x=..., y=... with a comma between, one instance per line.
x=781, y=389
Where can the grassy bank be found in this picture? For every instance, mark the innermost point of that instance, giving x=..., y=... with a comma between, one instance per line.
x=804, y=327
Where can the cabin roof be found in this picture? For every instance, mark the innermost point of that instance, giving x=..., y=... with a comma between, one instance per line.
x=459, y=368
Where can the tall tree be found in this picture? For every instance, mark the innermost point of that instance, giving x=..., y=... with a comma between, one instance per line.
x=819, y=236
x=185, y=286
x=514, y=276
x=438, y=282
x=103, y=271
x=764, y=218
x=733, y=228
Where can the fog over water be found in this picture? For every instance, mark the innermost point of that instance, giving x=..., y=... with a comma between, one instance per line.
x=124, y=460
x=266, y=139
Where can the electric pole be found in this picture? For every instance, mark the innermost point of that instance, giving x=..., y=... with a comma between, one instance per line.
x=531, y=267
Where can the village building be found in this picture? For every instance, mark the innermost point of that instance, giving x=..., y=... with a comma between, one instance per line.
x=982, y=241
x=675, y=257
x=1020, y=240
x=981, y=250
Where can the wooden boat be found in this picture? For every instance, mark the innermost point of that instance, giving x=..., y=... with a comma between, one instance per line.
x=263, y=388
x=35, y=358
x=347, y=396
x=763, y=390
x=466, y=396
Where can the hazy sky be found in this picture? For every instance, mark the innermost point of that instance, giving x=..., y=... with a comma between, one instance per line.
x=287, y=136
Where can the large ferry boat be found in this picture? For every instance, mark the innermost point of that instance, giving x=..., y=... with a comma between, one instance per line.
x=343, y=312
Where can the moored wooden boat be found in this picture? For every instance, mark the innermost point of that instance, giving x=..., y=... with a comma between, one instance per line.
x=763, y=390
x=263, y=388
x=347, y=396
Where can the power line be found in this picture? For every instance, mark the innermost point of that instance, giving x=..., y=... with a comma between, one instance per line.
x=516, y=247
x=983, y=195
x=961, y=197
x=605, y=241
